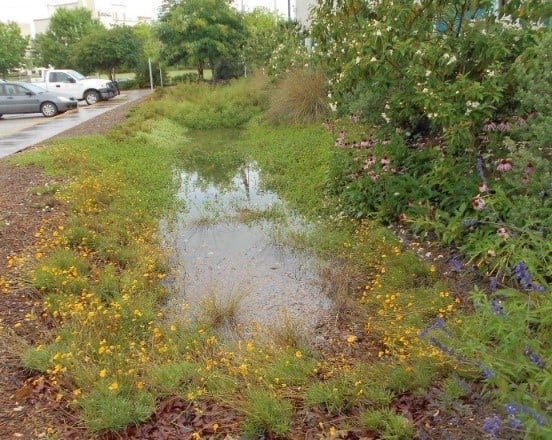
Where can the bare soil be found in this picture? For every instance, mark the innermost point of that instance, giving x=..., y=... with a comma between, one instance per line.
x=28, y=403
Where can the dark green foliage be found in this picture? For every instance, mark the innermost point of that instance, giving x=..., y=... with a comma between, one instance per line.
x=12, y=47
x=57, y=46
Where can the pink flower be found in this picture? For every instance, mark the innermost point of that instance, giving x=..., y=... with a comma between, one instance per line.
x=504, y=165
x=329, y=125
x=503, y=127
x=371, y=160
x=373, y=175
x=483, y=187
x=503, y=233
x=478, y=202
x=529, y=168
x=525, y=179
x=489, y=126
x=385, y=160
x=365, y=143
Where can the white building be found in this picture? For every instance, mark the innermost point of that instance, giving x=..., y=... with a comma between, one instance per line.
x=302, y=11
x=109, y=12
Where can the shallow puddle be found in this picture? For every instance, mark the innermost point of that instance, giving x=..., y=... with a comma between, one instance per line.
x=219, y=256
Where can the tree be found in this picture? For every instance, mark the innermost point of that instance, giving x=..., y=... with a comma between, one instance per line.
x=56, y=46
x=12, y=47
x=108, y=49
x=201, y=31
x=148, y=38
x=262, y=36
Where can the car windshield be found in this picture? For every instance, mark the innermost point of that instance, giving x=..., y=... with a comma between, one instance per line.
x=76, y=75
x=33, y=88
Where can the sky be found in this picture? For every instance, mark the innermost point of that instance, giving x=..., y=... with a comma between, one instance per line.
x=25, y=11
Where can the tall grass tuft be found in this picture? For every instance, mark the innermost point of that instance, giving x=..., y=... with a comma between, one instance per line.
x=299, y=99
x=266, y=414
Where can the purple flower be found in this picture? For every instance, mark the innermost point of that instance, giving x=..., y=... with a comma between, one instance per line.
x=441, y=346
x=515, y=423
x=493, y=283
x=521, y=274
x=535, y=358
x=456, y=264
x=469, y=222
x=492, y=425
x=513, y=409
x=488, y=372
x=439, y=323
x=496, y=307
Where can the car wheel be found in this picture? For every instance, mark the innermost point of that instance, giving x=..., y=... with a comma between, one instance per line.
x=49, y=109
x=91, y=97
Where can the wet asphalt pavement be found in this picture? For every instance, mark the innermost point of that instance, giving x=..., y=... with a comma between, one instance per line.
x=18, y=132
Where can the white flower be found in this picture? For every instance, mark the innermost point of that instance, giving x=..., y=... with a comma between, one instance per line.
x=333, y=106
x=357, y=60
x=378, y=33
x=387, y=119
x=452, y=60
x=428, y=72
x=373, y=59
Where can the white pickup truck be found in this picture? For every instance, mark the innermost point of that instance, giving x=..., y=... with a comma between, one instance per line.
x=70, y=83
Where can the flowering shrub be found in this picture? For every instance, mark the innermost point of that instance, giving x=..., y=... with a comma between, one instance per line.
x=420, y=66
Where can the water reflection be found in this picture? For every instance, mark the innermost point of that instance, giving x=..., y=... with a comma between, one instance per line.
x=221, y=256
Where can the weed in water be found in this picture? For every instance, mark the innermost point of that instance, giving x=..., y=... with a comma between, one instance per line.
x=219, y=312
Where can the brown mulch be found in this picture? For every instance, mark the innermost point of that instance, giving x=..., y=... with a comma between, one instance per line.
x=28, y=405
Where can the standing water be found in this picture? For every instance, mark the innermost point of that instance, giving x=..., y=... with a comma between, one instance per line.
x=222, y=257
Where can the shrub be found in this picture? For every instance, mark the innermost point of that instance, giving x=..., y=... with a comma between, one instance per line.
x=299, y=98
x=422, y=66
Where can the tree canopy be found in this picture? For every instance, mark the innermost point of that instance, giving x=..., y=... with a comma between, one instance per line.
x=109, y=49
x=56, y=46
x=201, y=31
x=12, y=46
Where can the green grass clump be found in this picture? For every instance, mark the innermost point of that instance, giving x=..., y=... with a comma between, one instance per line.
x=103, y=410
x=337, y=395
x=174, y=376
x=266, y=413
x=388, y=424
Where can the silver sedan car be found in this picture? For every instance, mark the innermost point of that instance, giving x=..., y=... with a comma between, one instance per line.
x=28, y=98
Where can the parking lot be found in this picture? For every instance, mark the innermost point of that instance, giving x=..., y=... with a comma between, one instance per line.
x=18, y=132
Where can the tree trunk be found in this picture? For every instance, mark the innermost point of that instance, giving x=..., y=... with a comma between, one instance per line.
x=200, y=66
